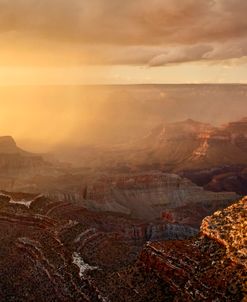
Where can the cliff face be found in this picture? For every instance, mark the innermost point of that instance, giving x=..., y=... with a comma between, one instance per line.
x=16, y=165
x=150, y=196
x=15, y=162
x=172, y=147
x=234, y=180
x=8, y=146
x=195, y=145
x=224, y=178
x=229, y=228
x=156, y=196
x=211, y=267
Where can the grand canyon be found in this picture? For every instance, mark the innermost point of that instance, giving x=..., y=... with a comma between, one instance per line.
x=161, y=217
x=123, y=151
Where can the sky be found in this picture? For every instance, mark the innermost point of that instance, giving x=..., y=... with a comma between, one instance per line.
x=119, y=42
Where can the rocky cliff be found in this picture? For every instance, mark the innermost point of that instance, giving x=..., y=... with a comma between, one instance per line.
x=8, y=146
x=230, y=178
x=195, y=145
x=15, y=162
x=149, y=196
x=154, y=195
x=210, y=268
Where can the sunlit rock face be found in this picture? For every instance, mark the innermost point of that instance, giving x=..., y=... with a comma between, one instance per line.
x=211, y=267
x=172, y=147
x=229, y=228
x=195, y=145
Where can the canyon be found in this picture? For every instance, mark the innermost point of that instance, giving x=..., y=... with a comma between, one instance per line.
x=153, y=220
x=173, y=147
x=209, y=267
x=44, y=241
x=151, y=196
x=189, y=148
x=82, y=255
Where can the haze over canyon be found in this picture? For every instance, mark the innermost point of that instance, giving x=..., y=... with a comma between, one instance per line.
x=123, y=151
x=150, y=173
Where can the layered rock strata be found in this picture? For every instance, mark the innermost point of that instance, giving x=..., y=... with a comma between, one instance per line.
x=149, y=196
x=212, y=267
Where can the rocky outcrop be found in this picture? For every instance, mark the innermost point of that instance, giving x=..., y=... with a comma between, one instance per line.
x=8, y=146
x=229, y=228
x=15, y=162
x=209, y=268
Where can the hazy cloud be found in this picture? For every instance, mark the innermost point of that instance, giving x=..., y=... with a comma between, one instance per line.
x=154, y=32
x=181, y=54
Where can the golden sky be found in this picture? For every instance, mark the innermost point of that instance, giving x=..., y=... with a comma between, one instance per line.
x=115, y=41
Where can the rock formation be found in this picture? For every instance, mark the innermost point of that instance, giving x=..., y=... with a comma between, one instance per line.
x=188, y=148
x=15, y=162
x=81, y=255
x=194, y=145
x=227, y=178
x=48, y=242
x=152, y=195
x=8, y=146
x=211, y=267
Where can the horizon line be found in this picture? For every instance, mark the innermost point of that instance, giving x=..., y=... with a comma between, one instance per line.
x=123, y=84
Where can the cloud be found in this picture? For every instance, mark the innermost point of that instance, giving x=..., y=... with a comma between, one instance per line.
x=181, y=54
x=154, y=32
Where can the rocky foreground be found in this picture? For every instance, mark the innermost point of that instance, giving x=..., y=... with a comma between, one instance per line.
x=212, y=267
x=48, y=247
x=60, y=251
